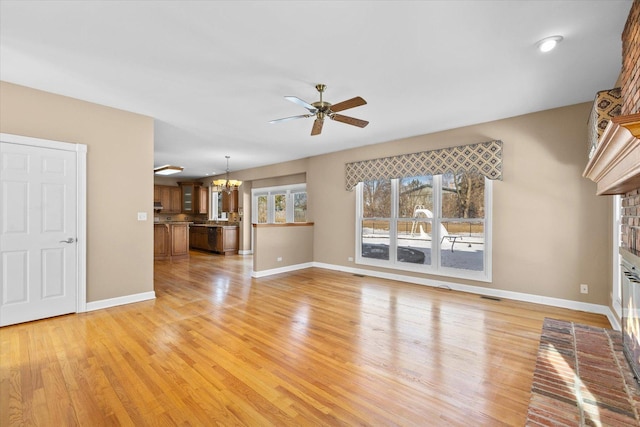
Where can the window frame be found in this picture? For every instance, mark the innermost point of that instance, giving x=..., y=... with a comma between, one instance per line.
x=435, y=267
x=271, y=193
x=214, y=214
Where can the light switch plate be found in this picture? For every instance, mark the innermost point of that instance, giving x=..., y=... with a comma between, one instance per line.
x=142, y=216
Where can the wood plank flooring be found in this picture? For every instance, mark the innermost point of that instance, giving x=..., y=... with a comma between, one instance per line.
x=313, y=347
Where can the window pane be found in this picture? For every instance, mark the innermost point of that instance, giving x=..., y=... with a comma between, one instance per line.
x=280, y=204
x=463, y=245
x=299, y=207
x=414, y=241
x=375, y=239
x=462, y=195
x=376, y=199
x=262, y=209
x=416, y=197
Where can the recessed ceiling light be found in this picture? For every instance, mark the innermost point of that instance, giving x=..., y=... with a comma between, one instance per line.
x=549, y=43
x=167, y=170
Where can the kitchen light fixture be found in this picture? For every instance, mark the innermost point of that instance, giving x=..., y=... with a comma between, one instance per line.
x=228, y=184
x=548, y=43
x=167, y=170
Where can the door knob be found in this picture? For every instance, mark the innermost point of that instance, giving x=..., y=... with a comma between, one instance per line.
x=69, y=240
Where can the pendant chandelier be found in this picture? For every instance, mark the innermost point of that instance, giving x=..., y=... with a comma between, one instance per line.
x=227, y=184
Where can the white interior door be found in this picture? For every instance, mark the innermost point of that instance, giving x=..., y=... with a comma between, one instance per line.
x=38, y=244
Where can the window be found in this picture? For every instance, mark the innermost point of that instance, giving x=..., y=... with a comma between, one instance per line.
x=279, y=205
x=280, y=208
x=299, y=206
x=436, y=224
x=261, y=203
x=215, y=206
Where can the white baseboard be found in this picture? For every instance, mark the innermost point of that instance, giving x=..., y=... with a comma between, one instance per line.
x=245, y=252
x=127, y=299
x=517, y=296
x=264, y=273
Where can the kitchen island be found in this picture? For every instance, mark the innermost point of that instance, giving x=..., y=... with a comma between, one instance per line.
x=213, y=237
x=171, y=240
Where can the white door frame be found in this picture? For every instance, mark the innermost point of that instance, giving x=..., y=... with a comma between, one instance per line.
x=81, y=212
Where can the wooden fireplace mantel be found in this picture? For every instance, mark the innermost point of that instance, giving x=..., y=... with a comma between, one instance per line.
x=615, y=164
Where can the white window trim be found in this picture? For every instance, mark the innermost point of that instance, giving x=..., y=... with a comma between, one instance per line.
x=434, y=268
x=213, y=205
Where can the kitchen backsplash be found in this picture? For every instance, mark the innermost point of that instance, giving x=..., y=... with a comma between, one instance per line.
x=179, y=217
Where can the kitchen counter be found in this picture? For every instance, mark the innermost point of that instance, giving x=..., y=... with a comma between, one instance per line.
x=214, y=225
x=218, y=238
x=172, y=222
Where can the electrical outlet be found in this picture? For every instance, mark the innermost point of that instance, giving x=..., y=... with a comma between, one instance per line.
x=350, y=259
x=279, y=259
x=584, y=289
x=142, y=216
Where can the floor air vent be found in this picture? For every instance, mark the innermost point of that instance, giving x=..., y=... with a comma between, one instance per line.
x=491, y=298
x=359, y=275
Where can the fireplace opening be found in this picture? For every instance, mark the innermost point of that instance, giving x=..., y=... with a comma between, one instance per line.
x=631, y=317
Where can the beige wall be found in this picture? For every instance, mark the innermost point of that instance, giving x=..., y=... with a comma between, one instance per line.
x=551, y=232
x=119, y=181
x=292, y=243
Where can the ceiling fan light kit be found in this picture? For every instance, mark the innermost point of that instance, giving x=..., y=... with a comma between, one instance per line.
x=322, y=109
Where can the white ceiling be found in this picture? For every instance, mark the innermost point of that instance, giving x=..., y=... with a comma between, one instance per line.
x=214, y=73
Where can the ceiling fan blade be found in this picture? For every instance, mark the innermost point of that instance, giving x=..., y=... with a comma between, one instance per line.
x=286, y=119
x=349, y=120
x=349, y=103
x=305, y=104
x=317, y=127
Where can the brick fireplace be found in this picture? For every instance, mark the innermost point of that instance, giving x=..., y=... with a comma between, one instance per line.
x=630, y=85
x=614, y=162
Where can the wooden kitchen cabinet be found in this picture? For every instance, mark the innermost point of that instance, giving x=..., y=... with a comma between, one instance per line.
x=191, y=198
x=171, y=240
x=199, y=238
x=179, y=240
x=169, y=197
x=230, y=200
x=227, y=240
x=203, y=200
x=161, y=241
x=221, y=239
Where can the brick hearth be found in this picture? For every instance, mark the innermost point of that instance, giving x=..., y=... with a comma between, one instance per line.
x=582, y=379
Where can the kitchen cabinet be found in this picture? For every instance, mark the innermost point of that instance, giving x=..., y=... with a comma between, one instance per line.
x=221, y=239
x=171, y=240
x=179, y=240
x=194, y=198
x=169, y=197
x=203, y=200
x=199, y=238
x=227, y=240
x=230, y=200
x=160, y=241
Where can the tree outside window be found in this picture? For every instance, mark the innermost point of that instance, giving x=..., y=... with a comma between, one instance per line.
x=300, y=207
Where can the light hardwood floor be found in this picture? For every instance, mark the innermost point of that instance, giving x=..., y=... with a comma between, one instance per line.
x=313, y=347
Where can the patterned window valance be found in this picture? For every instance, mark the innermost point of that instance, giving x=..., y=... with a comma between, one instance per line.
x=484, y=158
